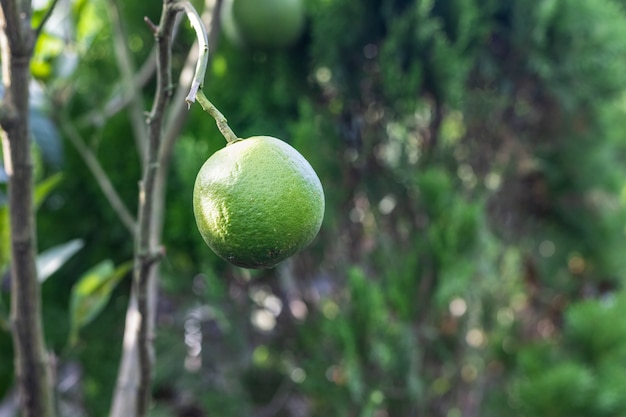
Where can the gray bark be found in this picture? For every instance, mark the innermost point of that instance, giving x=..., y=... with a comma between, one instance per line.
x=31, y=362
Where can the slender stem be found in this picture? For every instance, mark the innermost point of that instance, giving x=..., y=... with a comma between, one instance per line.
x=99, y=116
x=32, y=367
x=101, y=177
x=220, y=120
x=132, y=391
x=127, y=70
x=195, y=92
x=146, y=252
x=203, y=51
x=45, y=18
x=119, y=101
x=178, y=112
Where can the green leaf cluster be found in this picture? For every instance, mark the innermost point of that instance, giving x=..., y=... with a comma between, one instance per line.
x=584, y=374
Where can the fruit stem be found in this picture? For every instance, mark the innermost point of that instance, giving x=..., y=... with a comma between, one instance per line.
x=195, y=92
x=203, y=50
x=220, y=120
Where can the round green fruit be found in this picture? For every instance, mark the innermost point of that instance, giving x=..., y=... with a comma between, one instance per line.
x=258, y=201
x=263, y=23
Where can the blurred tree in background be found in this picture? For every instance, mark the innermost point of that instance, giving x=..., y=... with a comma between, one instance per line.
x=472, y=256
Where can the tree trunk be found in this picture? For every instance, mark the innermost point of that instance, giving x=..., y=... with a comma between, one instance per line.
x=31, y=361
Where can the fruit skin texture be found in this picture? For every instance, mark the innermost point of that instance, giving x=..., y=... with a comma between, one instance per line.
x=263, y=23
x=258, y=201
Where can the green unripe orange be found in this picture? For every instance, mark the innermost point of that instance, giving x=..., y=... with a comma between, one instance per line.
x=258, y=201
x=263, y=23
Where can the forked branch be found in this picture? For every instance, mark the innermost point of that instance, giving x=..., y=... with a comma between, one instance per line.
x=147, y=250
x=141, y=313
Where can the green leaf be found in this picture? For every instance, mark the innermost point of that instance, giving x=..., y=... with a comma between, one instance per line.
x=45, y=187
x=49, y=261
x=92, y=292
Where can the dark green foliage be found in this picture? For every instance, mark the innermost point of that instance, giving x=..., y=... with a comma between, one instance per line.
x=585, y=371
x=564, y=49
x=572, y=384
x=595, y=330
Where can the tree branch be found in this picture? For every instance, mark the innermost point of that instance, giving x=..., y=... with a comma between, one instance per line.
x=32, y=367
x=119, y=101
x=135, y=376
x=203, y=51
x=220, y=120
x=126, y=67
x=145, y=250
x=45, y=18
x=101, y=177
x=179, y=111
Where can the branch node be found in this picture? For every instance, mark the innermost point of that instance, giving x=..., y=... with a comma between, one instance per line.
x=8, y=115
x=154, y=28
x=170, y=90
x=191, y=97
x=149, y=258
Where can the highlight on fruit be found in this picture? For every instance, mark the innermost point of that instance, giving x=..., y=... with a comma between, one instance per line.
x=257, y=202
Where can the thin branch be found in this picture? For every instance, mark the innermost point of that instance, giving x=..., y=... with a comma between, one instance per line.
x=101, y=177
x=145, y=250
x=31, y=361
x=140, y=314
x=203, y=51
x=179, y=111
x=118, y=102
x=195, y=92
x=177, y=115
x=220, y=120
x=124, y=397
x=124, y=402
x=176, y=118
x=126, y=67
x=45, y=18
x=154, y=28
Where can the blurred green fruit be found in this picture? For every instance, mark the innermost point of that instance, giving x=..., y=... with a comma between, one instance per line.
x=263, y=23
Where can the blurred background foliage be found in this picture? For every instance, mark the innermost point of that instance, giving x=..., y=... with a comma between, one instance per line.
x=471, y=261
